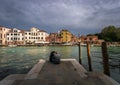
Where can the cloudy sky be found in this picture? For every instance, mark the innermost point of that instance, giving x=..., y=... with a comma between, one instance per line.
x=78, y=16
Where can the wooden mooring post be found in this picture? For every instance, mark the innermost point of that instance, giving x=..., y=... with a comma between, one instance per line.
x=89, y=57
x=105, y=59
x=119, y=66
x=80, y=53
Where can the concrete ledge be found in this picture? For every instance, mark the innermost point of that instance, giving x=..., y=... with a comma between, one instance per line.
x=70, y=59
x=80, y=69
x=106, y=79
x=34, y=72
x=15, y=77
x=9, y=80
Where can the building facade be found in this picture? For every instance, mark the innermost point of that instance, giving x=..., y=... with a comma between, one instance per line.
x=3, y=33
x=66, y=36
x=15, y=37
x=91, y=39
x=54, y=38
x=35, y=36
x=30, y=37
x=74, y=40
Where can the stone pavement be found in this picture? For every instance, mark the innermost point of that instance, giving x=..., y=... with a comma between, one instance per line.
x=68, y=72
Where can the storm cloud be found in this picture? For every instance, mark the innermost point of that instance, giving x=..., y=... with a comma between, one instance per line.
x=78, y=16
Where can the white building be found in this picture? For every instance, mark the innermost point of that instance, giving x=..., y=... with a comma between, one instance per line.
x=35, y=36
x=19, y=37
x=15, y=37
x=3, y=32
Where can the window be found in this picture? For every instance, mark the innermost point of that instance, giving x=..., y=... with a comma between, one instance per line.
x=8, y=38
x=15, y=34
x=1, y=35
x=42, y=38
x=90, y=38
x=0, y=41
x=29, y=33
x=15, y=30
x=14, y=38
x=4, y=36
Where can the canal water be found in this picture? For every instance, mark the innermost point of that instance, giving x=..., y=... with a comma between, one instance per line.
x=19, y=60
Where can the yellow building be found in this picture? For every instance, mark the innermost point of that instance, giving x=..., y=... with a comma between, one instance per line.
x=65, y=35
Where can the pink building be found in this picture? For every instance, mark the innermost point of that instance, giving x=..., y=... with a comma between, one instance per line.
x=3, y=33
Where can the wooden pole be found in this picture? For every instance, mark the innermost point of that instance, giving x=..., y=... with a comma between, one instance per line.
x=80, y=54
x=105, y=59
x=89, y=57
x=119, y=66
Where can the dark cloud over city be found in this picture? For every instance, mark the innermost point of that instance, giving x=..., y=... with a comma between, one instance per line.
x=78, y=16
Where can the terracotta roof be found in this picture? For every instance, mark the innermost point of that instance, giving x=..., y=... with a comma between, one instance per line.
x=42, y=31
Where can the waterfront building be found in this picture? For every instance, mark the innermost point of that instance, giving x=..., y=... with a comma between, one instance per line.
x=35, y=36
x=99, y=42
x=66, y=36
x=92, y=39
x=54, y=38
x=74, y=40
x=3, y=32
x=15, y=37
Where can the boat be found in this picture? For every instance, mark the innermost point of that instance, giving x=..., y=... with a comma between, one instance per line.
x=12, y=45
x=67, y=44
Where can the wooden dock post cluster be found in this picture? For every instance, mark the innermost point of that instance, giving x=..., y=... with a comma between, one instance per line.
x=104, y=54
x=88, y=54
